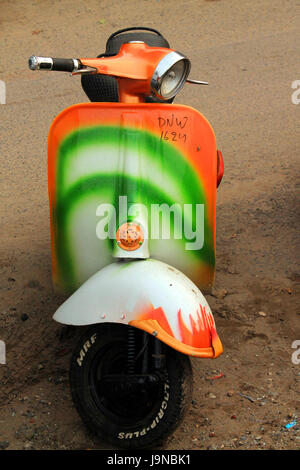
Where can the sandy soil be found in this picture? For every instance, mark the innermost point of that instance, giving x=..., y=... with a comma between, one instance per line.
x=247, y=51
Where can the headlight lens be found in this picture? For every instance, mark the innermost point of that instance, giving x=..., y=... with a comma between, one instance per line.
x=172, y=79
x=170, y=75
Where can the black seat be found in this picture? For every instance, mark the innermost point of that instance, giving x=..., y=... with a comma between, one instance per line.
x=102, y=88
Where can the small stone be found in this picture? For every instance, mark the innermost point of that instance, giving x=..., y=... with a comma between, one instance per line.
x=28, y=445
x=212, y=434
x=24, y=317
x=262, y=314
x=40, y=367
x=230, y=393
x=211, y=395
x=219, y=293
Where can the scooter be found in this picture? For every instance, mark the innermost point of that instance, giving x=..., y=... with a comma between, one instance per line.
x=132, y=174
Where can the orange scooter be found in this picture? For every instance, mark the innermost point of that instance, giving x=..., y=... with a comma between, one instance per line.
x=132, y=189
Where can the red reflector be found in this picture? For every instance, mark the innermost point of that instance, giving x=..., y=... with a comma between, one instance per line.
x=220, y=167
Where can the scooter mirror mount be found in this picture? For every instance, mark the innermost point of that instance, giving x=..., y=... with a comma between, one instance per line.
x=84, y=71
x=196, y=82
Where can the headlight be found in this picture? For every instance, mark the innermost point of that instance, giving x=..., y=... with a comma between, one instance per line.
x=170, y=75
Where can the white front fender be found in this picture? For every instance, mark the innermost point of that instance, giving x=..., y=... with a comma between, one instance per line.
x=149, y=295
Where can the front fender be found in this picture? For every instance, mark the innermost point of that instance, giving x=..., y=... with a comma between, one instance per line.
x=149, y=295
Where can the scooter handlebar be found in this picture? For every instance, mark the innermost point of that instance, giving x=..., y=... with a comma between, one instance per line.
x=50, y=63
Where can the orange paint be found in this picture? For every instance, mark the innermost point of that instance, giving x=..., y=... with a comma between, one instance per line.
x=200, y=333
x=201, y=340
x=158, y=315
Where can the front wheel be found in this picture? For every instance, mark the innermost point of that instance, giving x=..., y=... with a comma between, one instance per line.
x=124, y=391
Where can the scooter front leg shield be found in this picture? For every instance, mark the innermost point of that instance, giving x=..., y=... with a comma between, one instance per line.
x=149, y=295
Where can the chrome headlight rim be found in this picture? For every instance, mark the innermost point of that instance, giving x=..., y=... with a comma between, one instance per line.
x=162, y=68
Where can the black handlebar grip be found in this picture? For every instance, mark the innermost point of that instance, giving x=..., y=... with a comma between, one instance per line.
x=49, y=63
x=64, y=65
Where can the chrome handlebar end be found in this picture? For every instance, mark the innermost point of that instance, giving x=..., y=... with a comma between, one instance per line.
x=37, y=63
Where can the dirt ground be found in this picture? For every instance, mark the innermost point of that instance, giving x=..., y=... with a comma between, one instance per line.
x=247, y=51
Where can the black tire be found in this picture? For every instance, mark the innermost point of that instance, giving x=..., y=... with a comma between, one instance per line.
x=141, y=418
